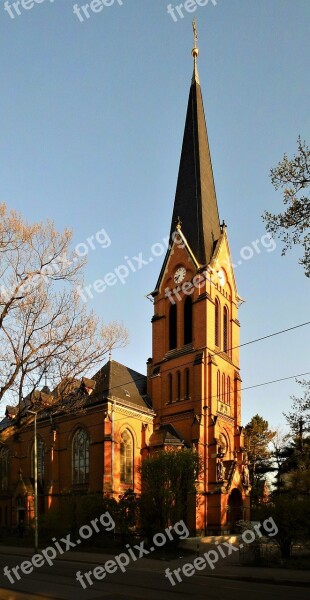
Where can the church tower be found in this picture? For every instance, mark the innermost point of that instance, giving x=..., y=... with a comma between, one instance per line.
x=193, y=375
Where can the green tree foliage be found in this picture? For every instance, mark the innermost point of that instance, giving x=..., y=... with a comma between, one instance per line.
x=79, y=510
x=290, y=506
x=127, y=514
x=168, y=485
x=257, y=438
x=292, y=225
x=300, y=410
x=295, y=468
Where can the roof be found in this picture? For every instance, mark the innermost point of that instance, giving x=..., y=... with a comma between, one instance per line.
x=195, y=199
x=119, y=381
x=112, y=380
x=166, y=435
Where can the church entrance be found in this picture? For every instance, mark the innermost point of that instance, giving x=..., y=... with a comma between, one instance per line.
x=235, y=505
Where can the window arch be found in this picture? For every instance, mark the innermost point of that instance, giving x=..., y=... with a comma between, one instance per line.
x=218, y=385
x=188, y=321
x=228, y=390
x=4, y=469
x=187, y=384
x=170, y=381
x=223, y=388
x=178, y=385
x=225, y=329
x=173, y=327
x=40, y=460
x=80, y=454
x=126, y=458
x=217, y=322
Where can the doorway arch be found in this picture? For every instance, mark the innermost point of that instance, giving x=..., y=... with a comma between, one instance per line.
x=235, y=505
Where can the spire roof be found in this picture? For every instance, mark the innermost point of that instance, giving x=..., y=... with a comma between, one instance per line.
x=195, y=202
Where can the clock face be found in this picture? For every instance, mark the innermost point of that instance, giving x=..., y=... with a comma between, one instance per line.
x=179, y=275
x=222, y=277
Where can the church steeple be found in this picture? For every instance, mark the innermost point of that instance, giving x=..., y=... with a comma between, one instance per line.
x=195, y=200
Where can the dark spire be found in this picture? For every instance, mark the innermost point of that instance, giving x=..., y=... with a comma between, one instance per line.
x=195, y=200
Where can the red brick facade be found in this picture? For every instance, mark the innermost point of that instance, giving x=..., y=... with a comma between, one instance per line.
x=193, y=382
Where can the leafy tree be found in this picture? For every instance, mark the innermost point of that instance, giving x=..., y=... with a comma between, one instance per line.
x=300, y=410
x=127, y=514
x=292, y=225
x=168, y=485
x=257, y=438
x=289, y=505
x=44, y=325
x=295, y=468
x=291, y=515
x=279, y=454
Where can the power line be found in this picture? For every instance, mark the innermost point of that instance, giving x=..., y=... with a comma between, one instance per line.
x=265, y=337
x=215, y=353
x=242, y=389
x=142, y=377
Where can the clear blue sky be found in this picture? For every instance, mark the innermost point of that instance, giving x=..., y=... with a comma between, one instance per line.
x=92, y=118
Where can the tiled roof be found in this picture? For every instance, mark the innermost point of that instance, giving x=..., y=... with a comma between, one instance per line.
x=119, y=381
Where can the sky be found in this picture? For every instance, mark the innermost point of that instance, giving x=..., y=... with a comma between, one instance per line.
x=92, y=117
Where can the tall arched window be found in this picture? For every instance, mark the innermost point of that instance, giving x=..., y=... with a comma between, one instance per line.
x=218, y=385
x=126, y=458
x=4, y=469
x=225, y=329
x=173, y=327
x=170, y=397
x=228, y=390
x=217, y=322
x=178, y=385
x=223, y=388
x=187, y=384
x=80, y=454
x=188, y=321
x=40, y=460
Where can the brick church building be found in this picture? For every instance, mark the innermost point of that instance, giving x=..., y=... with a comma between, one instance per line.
x=190, y=396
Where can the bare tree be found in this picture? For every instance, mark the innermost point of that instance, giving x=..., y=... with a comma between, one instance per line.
x=44, y=326
x=292, y=226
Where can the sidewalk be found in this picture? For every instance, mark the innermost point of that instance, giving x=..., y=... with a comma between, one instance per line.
x=233, y=571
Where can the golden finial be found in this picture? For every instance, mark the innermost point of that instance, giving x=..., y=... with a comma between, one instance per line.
x=195, y=52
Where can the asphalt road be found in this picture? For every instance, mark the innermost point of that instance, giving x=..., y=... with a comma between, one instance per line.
x=141, y=582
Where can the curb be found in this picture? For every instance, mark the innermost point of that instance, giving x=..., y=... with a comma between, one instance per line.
x=74, y=557
x=268, y=580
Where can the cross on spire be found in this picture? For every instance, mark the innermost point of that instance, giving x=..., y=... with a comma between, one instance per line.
x=195, y=52
x=195, y=34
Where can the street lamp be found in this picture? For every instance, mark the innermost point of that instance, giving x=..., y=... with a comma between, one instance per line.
x=35, y=452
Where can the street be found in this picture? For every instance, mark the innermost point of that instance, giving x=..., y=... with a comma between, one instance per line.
x=143, y=581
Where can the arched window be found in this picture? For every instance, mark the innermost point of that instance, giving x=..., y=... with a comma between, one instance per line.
x=126, y=458
x=173, y=327
x=228, y=390
x=225, y=329
x=178, y=385
x=188, y=321
x=223, y=388
x=40, y=460
x=170, y=398
x=4, y=469
x=218, y=385
x=187, y=384
x=217, y=323
x=80, y=453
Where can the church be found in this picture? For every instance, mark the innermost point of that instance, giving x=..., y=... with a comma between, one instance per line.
x=190, y=396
